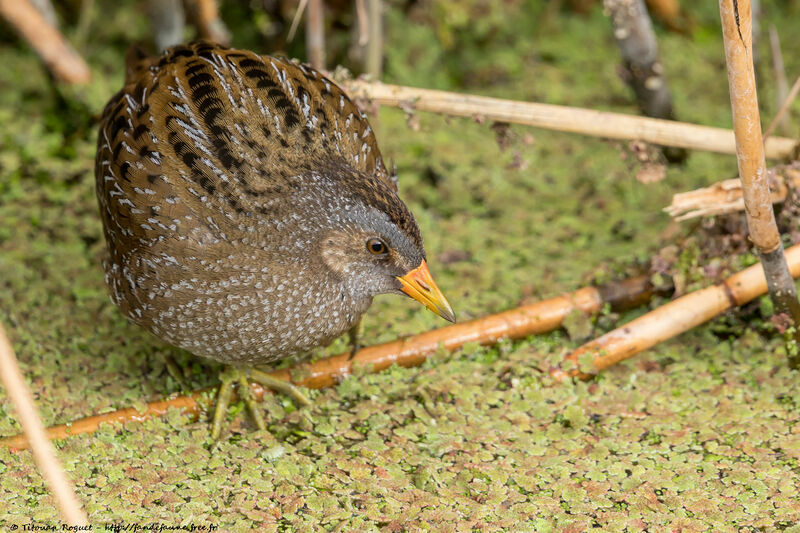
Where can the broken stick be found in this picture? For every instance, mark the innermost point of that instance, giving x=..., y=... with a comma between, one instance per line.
x=725, y=197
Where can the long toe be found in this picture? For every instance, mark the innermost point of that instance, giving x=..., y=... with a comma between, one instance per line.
x=246, y=395
x=280, y=385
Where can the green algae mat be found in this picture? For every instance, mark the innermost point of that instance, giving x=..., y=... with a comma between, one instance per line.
x=700, y=433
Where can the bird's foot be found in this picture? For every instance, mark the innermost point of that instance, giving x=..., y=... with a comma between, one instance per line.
x=176, y=372
x=239, y=377
x=279, y=385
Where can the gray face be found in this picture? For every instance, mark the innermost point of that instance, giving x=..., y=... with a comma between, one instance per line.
x=367, y=251
x=359, y=246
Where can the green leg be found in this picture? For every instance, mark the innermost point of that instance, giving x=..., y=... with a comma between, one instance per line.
x=223, y=401
x=174, y=370
x=354, y=337
x=244, y=394
x=233, y=376
x=281, y=386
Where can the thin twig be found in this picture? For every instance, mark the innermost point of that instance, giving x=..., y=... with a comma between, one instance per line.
x=516, y=323
x=781, y=83
x=43, y=452
x=361, y=16
x=296, y=20
x=783, y=109
x=562, y=118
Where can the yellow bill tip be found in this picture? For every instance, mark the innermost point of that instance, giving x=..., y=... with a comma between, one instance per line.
x=419, y=285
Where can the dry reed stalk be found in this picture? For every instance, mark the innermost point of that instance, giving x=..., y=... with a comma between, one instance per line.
x=373, y=62
x=725, y=197
x=301, y=7
x=781, y=84
x=315, y=34
x=669, y=320
x=363, y=22
x=763, y=230
x=562, y=118
x=61, y=59
x=43, y=452
x=531, y=319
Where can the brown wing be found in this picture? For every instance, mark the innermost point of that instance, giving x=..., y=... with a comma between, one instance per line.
x=204, y=130
x=209, y=127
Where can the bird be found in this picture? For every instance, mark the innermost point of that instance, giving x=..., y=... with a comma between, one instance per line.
x=247, y=211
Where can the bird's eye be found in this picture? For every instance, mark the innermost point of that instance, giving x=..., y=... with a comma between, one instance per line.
x=376, y=246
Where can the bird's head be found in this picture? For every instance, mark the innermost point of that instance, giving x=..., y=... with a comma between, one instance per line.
x=376, y=247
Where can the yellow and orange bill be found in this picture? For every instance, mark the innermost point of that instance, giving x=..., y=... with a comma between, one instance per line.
x=419, y=284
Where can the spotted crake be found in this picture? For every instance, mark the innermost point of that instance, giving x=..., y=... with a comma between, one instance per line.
x=248, y=213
